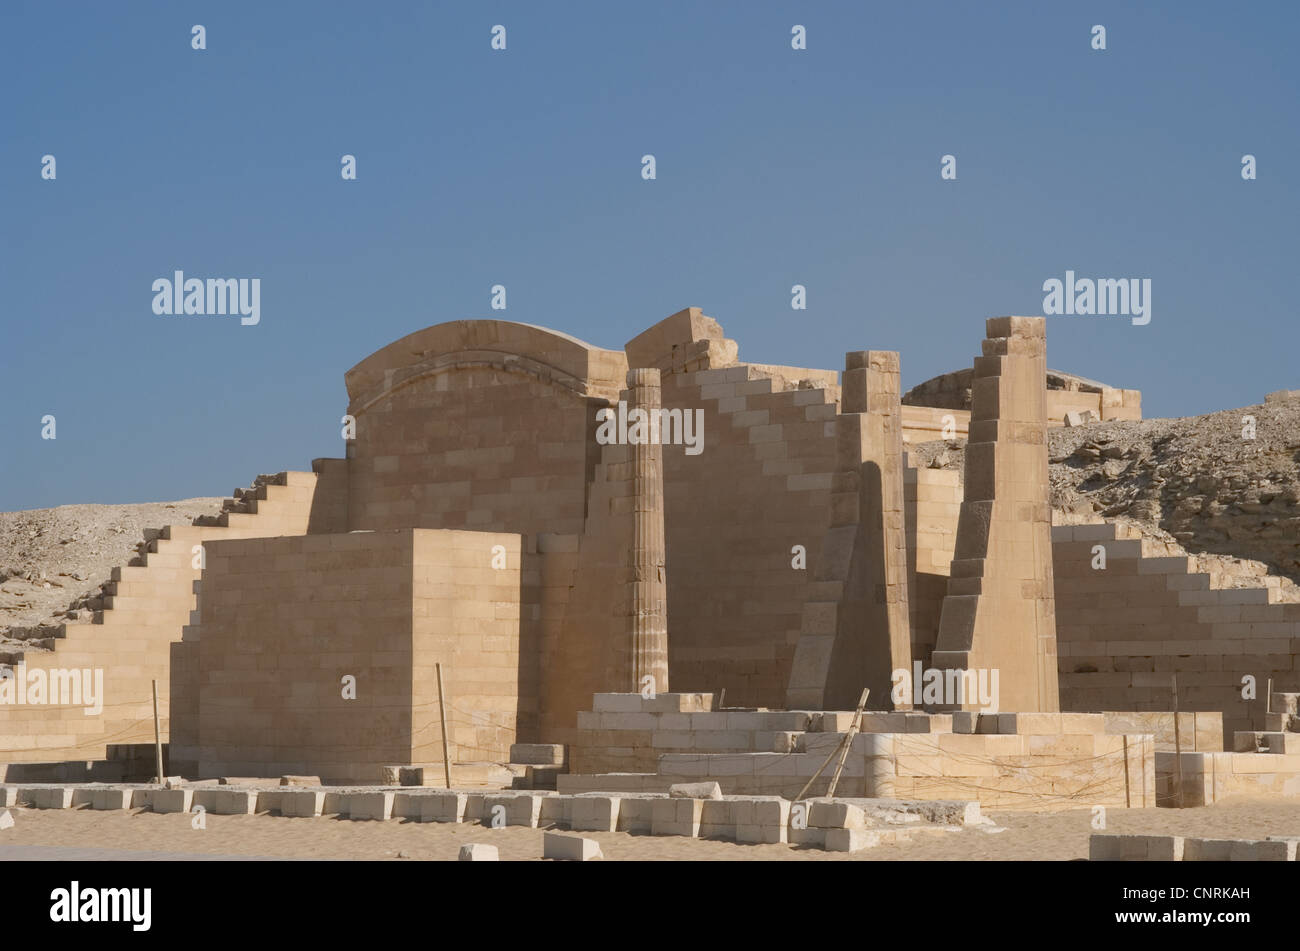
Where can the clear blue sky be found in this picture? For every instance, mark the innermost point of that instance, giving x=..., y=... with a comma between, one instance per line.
x=522, y=167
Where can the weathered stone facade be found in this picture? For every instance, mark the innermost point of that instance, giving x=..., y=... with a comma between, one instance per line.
x=502, y=516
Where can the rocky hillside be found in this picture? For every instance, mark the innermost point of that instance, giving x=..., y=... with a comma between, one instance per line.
x=1200, y=481
x=53, y=560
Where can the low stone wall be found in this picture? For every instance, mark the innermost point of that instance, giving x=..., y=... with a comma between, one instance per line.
x=1209, y=777
x=845, y=825
x=1197, y=732
x=1003, y=760
x=1176, y=848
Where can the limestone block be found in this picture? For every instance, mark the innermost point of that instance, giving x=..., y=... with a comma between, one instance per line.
x=589, y=813
x=539, y=754
x=6, y=819
x=8, y=796
x=227, y=802
x=808, y=835
x=170, y=800
x=1207, y=850
x=45, y=797
x=636, y=814
x=761, y=819
x=1275, y=850
x=708, y=790
x=474, y=806
x=475, y=852
x=965, y=721
x=114, y=797
x=717, y=819
x=542, y=777
x=677, y=817
x=851, y=840
x=408, y=805
x=617, y=703
x=679, y=703
x=835, y=814
x=512, y=810
x=300, y=781
x=370, y=806
x=572, y=848
x=1136, y=848
x=304, y=803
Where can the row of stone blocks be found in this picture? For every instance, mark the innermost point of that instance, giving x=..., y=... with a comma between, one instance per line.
x=1177, y=848
x=680, y=712
x=832, y=824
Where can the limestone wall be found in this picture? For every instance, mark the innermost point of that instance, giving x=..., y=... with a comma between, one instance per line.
x=926, y=424
x=283, y=621
x=480, y=425
x=1125, y=629
x=951, y=393
x=1209, y=777
x=132, y=638
x=733, y=515
x=933, y=502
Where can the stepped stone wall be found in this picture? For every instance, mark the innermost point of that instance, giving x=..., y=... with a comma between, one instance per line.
x=735, y=511
x=789, y=557
x=130, y=641
x=855, y=629
x=1125, y=629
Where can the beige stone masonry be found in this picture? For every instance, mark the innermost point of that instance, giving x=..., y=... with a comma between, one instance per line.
x=999, y=613
x=861, y=631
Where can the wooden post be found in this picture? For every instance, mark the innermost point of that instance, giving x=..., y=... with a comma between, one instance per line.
x=820, y=769
x=848, y=742
x=842, y=746
x=157, y=736
x=1178, y=746
x=1128, y=800
x=442, y=715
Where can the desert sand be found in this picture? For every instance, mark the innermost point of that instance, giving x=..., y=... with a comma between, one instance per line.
x=1041, y=836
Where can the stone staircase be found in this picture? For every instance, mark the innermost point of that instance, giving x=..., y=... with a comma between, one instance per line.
x=1156, y=610
x=731, y=389
x=125, y=628
x=1281, y=733
x=1225, y=573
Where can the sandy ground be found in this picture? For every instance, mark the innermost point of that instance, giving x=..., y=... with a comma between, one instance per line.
x=1041, y=836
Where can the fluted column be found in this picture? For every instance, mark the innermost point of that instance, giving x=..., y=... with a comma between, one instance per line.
x=647, y=589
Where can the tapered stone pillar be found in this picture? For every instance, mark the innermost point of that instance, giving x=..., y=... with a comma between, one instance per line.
x=858, y=631
x=647, y=588
x=999, y=616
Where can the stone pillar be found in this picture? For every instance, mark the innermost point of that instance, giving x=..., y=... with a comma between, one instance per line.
x=999, y=616
x=857, y=630
x=647, y=588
